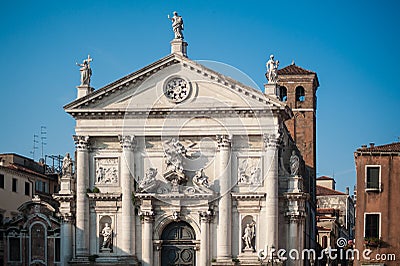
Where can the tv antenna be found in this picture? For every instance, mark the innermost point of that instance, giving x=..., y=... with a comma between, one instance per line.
x=43, y=138
x=35, y=147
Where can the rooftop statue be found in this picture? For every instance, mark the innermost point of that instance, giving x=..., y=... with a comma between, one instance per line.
x=67, y=165
x=177, y=25
x=86, y=71
x=272, y=69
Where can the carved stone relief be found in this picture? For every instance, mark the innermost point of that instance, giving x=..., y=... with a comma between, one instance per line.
x=249, y=170
x=106, y=170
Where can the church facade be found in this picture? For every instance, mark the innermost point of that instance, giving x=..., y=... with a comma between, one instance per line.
x=177, y=164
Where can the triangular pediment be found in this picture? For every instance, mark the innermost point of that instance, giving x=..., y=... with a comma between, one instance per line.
x=146, y=89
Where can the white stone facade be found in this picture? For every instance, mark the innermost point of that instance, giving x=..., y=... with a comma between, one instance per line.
x=178, y=160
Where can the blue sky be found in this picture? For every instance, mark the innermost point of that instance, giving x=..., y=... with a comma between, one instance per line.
x=352, y=45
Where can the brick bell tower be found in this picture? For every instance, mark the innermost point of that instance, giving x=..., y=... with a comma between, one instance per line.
x=297, y=88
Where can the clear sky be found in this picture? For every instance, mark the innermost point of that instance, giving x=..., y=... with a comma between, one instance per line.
x=352, y=45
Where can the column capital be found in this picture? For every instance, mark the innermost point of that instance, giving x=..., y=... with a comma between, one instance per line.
x=224, y=141
x=127, y=141
x=81, y=142
x=206, y=216
x=67, y=218
x=296, y=218
x=272, y=141
x=147, y=216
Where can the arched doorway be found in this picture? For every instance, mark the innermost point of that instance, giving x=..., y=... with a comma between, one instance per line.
x=178, y=245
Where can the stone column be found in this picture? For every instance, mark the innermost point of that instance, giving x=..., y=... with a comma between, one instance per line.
x=147, y=238
x=66, y=240
x=127, y=217
x=205, y=218
x=293, y=238
x=82, y=202
x=224, y=245
x=271, y=145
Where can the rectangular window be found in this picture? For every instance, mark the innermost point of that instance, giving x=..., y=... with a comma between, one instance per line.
x=39, y=186
x=46, y=187
x=14, y=249
x=57, y=248
x=27, y=189
x=14, y=184
x=373, y=177
x=371, y=225
x=1, y=181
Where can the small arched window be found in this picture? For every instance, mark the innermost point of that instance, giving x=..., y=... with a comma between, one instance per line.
x=300, y=95
x=283, y=94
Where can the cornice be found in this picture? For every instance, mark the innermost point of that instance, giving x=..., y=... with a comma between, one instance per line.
x=164, y=113
x=75, y=107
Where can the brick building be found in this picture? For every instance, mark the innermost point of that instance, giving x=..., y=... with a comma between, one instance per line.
x=378, y=186
x=298, y=89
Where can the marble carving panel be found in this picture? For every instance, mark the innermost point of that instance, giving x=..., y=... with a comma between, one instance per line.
x=106, y=170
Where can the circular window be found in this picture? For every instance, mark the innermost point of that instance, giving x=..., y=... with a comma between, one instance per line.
x=177, y=89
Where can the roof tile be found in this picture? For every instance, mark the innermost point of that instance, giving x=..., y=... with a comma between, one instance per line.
x=324, y=191
x=392, y=147
x=294, y=70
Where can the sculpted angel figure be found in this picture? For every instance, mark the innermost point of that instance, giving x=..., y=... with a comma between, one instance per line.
x=149, y=178
x=200, y=180
x=177, y=25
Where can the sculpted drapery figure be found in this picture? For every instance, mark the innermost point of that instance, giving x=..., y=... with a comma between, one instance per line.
x=107, y=236
x=177, y=25
x=149, y=178
x=175, y=152
x=200, y=180
x=294, y=163
x=86, y=71
x=272, y=69
x=67, y=165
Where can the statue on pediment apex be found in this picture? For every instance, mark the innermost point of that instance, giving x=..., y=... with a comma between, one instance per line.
x=177, y=25
x=86, y=71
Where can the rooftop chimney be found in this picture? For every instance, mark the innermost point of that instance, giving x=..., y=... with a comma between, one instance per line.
x=371, y=144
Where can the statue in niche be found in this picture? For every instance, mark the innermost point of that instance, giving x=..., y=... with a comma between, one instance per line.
x=200, y=180
x=86, y=71
x=107, y=236
x=294, y=163
x=177, y=25
x=248, y=237
x=149, y=178
x=67, y=165
x=272, y=69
